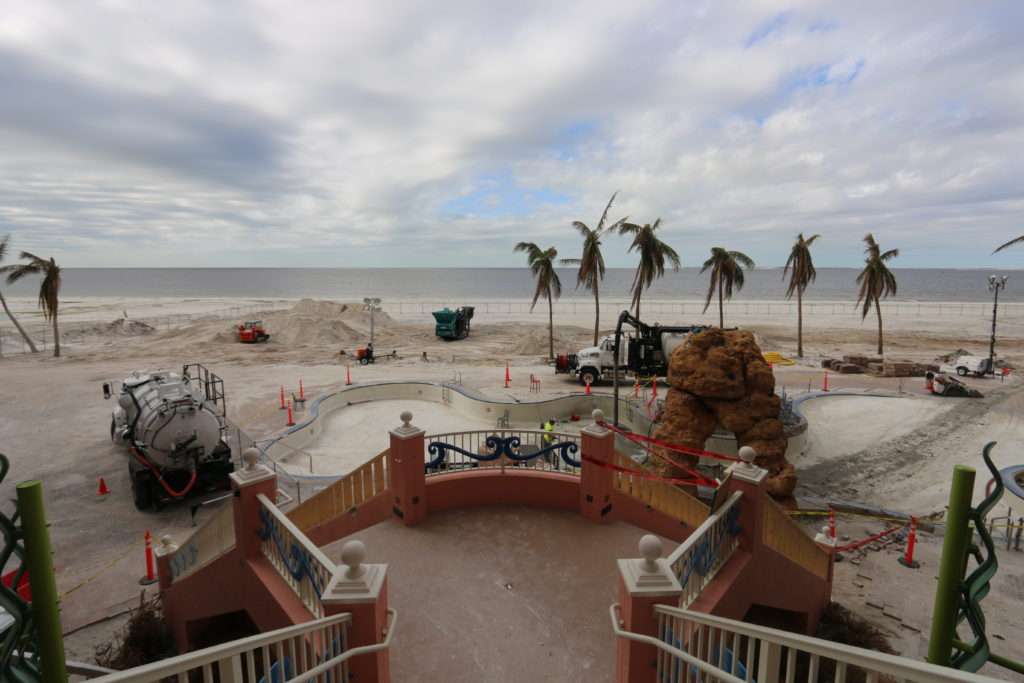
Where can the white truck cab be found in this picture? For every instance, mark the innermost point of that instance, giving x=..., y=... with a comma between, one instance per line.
x=597, y=362
x=969, y=365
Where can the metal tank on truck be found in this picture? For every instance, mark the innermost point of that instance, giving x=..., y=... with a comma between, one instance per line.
x=174, y=426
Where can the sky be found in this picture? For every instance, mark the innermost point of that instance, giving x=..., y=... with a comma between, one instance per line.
x=346, y=134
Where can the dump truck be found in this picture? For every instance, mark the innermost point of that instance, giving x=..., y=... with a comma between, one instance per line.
x=453, y=324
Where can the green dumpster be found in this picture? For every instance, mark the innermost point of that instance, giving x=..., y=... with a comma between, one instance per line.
x=453, y=324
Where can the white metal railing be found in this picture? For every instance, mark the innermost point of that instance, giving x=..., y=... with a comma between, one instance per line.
x=295, y=654
x=697, y=559
x=692, y=646
x=297, y=559
x=529, y=441
x=210, y=541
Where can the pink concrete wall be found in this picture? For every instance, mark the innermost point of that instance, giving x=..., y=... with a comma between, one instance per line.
x=491, y=487
x=372, y=511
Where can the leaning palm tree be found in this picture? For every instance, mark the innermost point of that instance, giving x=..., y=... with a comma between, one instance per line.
x=542, y=265
x=591, y=263
x=653, y=254
x=726, y=273
x=3, y=302
x=876, y=281
x=49, y=288
x=1015, y=240
x=801, y=272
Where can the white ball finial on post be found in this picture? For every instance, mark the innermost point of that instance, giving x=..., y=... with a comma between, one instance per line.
x=598, y=416
x=650, y=550
x=748, y=455
x=406, y=418
x=250, y=456
x=352, y=555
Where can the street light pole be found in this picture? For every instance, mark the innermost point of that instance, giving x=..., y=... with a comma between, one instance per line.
x=372, y=305
x=994, y=285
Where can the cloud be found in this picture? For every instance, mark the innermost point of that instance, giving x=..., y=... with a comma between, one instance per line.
x=251, y=133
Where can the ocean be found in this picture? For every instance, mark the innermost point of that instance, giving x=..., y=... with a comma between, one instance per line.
x=464, y=285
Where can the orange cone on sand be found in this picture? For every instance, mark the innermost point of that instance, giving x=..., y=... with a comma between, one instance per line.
x=291, y=418
x=508, y=376
x=348, y=375
x=824, y=382
x=588, y=389
x=283, y=406
x=102, y=492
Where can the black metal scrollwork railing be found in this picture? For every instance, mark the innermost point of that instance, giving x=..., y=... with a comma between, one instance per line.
x=532, y=449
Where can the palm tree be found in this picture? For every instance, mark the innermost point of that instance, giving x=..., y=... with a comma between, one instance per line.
x=653, y=253
x=3, y=302
x=726, y=273
x=591, y=263
x=542, y=265
x=49, y=289
x=876, y=281
x=801, y=272
x=1015, y=240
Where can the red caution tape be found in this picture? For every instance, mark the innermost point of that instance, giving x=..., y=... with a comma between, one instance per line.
x=869, y=539
x=698, y=480
x=686, y=450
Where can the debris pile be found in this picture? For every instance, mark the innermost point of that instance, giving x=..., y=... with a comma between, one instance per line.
x=721, y=378
x=856, y=365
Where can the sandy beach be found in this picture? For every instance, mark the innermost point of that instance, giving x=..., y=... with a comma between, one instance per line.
x=895, y=453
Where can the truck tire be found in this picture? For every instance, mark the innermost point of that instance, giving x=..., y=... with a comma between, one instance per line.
x=363, y=361
x=962, y=371
x=589, y=376
x=142, y=491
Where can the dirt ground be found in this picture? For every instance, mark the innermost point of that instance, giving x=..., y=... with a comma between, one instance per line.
x=54, y=426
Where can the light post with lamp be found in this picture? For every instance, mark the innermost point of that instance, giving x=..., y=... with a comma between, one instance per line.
x=995, y=283
x=373, y=306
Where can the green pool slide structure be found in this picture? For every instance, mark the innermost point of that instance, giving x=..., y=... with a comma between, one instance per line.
x=958, y=594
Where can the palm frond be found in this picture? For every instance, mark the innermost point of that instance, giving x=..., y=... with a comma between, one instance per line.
x=604, y=216
x=1012, y=242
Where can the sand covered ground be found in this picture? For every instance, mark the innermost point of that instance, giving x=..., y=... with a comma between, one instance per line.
x=892, y=452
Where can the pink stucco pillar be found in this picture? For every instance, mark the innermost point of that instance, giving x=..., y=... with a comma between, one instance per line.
x=643, y=583
x=406, y=476
x=753, y=482
x=247, y=484
x=361, y=590
x=596, y=481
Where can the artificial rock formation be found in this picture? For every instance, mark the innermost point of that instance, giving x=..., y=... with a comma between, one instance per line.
x=721, y=378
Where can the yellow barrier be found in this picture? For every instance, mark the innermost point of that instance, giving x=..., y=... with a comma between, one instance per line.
x=786, y=537
x=347, y=493
x=776, y=358
x=661, y=496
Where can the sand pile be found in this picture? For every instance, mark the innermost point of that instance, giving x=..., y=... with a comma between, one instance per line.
x=122, y=327
x=534, y=341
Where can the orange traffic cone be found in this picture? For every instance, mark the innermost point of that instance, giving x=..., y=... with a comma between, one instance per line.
x=102, y=491
x=824, y=382
x=508, y=376
x=908, y=560
x=283, y=406
x=588, y=389
x=150, y=576
x=302, y=394
x=291, y=419
x=348, y=375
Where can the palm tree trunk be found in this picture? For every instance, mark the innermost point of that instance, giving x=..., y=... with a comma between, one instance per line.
x=878, y=310
x=56, y=337
x=28, y=339
x=597, y=313
x=799, y=323
x=721, y=307
x=551, y=328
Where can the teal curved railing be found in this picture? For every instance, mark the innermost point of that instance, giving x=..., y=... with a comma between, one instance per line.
x=19, y=660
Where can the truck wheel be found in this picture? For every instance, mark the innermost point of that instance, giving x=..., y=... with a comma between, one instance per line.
x=588, y=376
x=363, y=361
x=142, y=492
x=962, y=371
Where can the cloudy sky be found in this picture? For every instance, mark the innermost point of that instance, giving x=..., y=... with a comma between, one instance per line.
x=401, y=133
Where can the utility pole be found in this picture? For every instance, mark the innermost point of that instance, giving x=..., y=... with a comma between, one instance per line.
x=372, y=305
x=995, y=284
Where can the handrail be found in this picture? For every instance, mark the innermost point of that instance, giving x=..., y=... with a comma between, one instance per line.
x=389, y=631
x=714, y=672
x=878, y=662
x=216, y=653
x=693, y=538
x=699, y=558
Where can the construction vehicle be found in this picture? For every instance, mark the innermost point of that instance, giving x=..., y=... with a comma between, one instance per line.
x=645, y=355
x=365, y=355
x=252, y=332
x=453, y=324
x=175, y=429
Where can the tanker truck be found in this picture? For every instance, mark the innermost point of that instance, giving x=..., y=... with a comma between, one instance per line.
x=174, y=428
